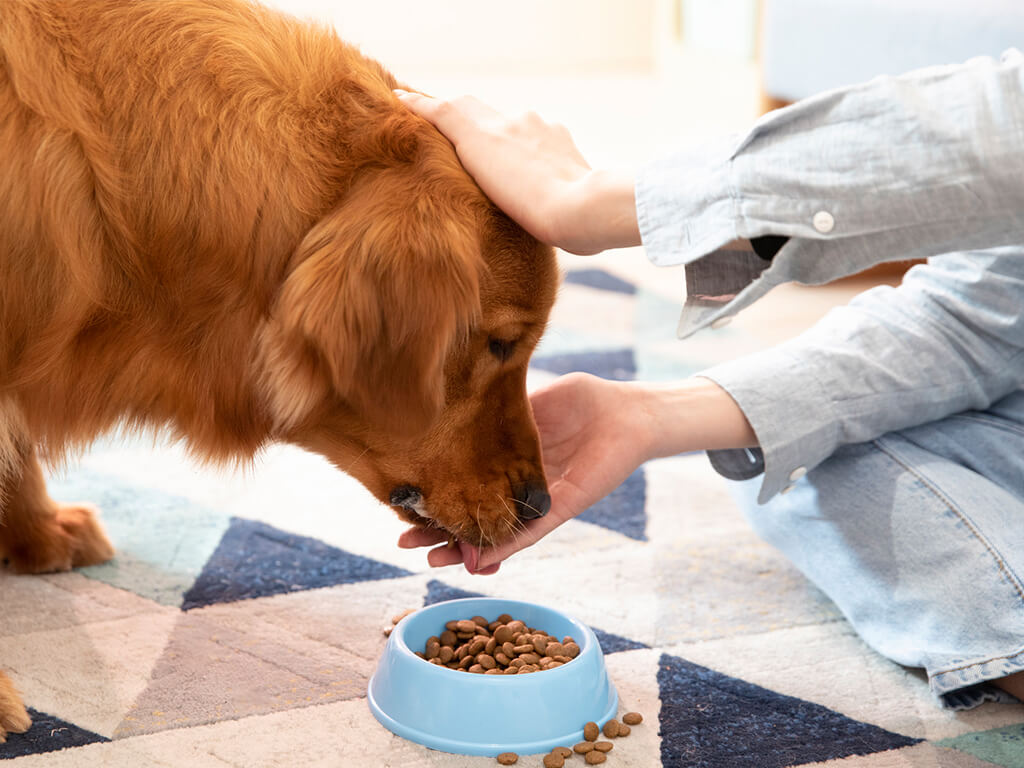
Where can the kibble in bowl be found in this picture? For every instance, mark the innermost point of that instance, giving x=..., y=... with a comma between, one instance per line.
x=486, y=713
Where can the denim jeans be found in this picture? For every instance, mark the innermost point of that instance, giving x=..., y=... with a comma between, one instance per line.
x=918, y=537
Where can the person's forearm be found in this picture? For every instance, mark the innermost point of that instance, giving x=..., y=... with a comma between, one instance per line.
x=693, y=415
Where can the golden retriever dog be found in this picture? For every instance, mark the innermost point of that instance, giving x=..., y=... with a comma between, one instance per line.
x=220, y=221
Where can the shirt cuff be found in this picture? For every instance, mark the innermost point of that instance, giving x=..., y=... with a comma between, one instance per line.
x=686, y=202
x=790, y=414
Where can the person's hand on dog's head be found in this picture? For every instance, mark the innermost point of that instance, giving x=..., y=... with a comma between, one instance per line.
x=534, y=172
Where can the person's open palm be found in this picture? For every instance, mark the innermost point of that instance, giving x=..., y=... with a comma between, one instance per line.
x=592, y=437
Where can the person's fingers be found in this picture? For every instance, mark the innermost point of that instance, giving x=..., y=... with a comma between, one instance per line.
x=529, y=534
x=421, y=537
x=426, y=107
x=464, y=553
x=441, y=556
x=451, y=117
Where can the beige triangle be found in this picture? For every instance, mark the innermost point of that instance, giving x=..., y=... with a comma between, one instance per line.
x=229, y=664
x=89, y=674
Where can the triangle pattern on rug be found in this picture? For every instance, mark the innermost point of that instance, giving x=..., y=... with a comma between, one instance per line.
x=999, y=746
x=47, y=734
x=254, y=559
x=624, y=510
x=226, y=663
x=615, y=364
x=712, y=720
x=162, y=540
x=439, y=592
x=612, y=643
x=599, y=279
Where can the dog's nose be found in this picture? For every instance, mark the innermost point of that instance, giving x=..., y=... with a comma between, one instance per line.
x=532, y=500
x=406, y=496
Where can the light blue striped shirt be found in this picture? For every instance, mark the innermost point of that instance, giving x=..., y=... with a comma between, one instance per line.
x=928, y=164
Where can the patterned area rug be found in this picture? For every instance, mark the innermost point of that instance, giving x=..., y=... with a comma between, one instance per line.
x=243, y=615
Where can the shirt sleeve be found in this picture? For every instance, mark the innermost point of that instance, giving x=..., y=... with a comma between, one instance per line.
x=930, y=164
x=950, y=338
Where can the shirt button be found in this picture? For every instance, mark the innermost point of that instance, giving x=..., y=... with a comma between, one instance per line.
x=721, y=322
x=797, y=473
x=823, y=222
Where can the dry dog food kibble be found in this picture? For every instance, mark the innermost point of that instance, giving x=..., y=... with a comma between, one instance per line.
x=508, y=758
x=563, y=751
x=603, y=746
x=624, y=731
x=583, y=747
x=504, y=646
x=611, y=729
x=553, y=761
x=595, y=757
x=590, y=731
x=632, y=718
x=397, y=618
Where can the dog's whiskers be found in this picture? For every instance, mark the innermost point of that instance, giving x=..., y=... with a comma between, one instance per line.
x=528, y=506
x=348, y=469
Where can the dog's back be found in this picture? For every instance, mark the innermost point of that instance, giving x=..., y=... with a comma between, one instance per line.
x=159, y=162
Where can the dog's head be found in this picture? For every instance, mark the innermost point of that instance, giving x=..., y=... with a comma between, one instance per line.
x=399, y=342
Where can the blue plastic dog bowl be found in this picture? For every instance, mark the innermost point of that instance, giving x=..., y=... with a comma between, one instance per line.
x=472, y=714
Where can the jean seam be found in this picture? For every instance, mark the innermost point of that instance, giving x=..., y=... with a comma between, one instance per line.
x=1005, y=657
x=989, y=422
x=937, y=492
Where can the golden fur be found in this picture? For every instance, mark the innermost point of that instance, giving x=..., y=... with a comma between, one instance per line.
x=217, y=220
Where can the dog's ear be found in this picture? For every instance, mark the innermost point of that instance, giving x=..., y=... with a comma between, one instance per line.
x=382, y=288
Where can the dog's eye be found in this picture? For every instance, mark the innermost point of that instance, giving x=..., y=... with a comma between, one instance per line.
x=500, y=348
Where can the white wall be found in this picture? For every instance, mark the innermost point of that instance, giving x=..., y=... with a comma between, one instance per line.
x=484, y=37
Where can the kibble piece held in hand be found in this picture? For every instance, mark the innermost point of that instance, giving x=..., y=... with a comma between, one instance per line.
x=508, y=758
x=595, y=757
x=591, y=731
x=553, y=761
x=611, y=729
x=632, y=718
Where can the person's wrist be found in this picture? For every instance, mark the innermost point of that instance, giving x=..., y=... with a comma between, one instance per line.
x=691, y=415
x=597, y=212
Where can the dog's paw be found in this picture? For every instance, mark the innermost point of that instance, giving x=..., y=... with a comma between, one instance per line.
x=88, y=543
x=72, y=538
x=13, y=717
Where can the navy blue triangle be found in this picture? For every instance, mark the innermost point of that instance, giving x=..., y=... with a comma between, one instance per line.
x=254, y=559
x=439, y=592
x=47, y=734
x=616, y=364
x=598, y=278
x=711, y=720
x=611, y=643
x=623, y=510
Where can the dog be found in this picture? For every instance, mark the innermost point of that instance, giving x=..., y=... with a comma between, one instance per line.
x=220, y=221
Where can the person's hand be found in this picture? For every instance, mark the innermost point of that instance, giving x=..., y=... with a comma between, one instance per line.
x=533, y=171
x=593, y=434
